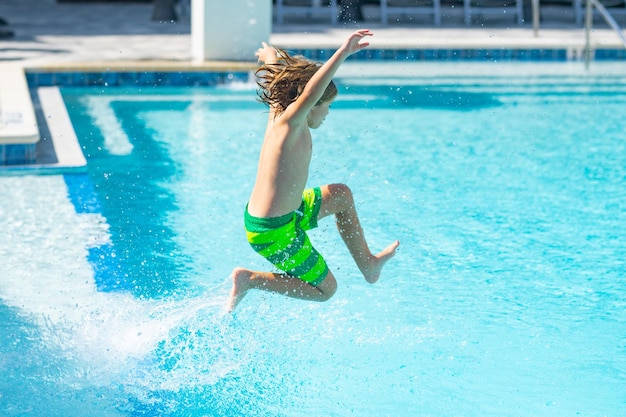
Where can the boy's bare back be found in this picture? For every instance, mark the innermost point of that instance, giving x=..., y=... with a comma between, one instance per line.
x=283, y=168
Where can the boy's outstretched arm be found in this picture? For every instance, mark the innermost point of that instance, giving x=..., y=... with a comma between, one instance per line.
x=314, y=89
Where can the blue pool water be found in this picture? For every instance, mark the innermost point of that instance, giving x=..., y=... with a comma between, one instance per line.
x=507, y=297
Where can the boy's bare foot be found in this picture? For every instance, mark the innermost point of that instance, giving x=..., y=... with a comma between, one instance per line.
x=372, y=271
x=241, y=285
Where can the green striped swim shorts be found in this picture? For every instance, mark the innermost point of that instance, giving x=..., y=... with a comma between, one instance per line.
x=283, y=241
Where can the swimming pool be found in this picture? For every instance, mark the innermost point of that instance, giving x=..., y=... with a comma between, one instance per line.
x=507, y=297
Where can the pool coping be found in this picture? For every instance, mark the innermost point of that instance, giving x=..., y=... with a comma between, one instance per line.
x=58, y=149
x=17, y=116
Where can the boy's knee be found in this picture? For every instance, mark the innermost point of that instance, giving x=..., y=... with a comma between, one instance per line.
x=342, y=191
x=328, y=287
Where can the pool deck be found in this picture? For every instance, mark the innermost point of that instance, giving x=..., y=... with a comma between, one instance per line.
x=48, y=35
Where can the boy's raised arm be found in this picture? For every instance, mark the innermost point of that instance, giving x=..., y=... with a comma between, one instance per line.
x=314, y=89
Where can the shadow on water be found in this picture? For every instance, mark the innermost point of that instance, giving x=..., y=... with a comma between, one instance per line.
x=143, y=257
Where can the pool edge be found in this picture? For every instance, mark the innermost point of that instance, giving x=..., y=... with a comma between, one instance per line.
x=58, y=149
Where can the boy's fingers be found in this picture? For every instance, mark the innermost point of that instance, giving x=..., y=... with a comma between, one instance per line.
x=363, y=33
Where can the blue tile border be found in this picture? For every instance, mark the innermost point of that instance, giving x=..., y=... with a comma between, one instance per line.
x=17, y=154
x=460, y=54
x=137, y=78
x=610, y=54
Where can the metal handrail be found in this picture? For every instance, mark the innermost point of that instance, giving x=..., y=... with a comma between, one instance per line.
x=589, y=23
x=535, y=9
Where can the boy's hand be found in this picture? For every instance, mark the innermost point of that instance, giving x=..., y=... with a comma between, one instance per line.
x=267, y=54
x=352, y=45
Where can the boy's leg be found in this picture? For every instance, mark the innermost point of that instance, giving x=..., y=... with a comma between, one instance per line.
x=337, y=199
x=246, y=279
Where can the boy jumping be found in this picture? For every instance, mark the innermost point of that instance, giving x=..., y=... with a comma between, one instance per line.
x=299, y=94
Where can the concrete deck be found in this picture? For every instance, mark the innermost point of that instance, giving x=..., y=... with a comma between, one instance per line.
x=105, y=35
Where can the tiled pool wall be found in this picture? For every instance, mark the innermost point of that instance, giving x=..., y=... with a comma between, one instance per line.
x=446, y=54
x=18, y=154
x=471, y=54
x=113, y=78
x=610, y=54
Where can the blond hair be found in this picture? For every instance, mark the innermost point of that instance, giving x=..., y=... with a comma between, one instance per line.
x=282, y=82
